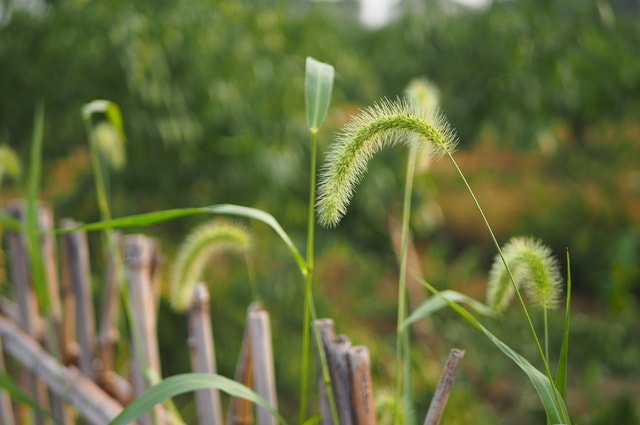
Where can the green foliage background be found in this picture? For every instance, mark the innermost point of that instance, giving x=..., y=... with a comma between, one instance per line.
x=544, y=94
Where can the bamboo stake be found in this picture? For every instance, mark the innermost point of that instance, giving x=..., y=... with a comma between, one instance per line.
x=325, y=328
x=337, y=351
x=72, y=349
x=439, y=401
x=364, y=406
x=56, y=344
x=76, y=258
x=241, y=409
x=108, y=334
x=203, y=358
x=138, y=250
x=262, y=356
x=26, y=301
x=67, y=382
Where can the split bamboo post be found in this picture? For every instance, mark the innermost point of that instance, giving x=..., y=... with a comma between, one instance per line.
x=241, y=409
x=336, y=349
x=262, y=356
x=69, y=322
x=108, y=334
x=325, y=329
x=138, y=250
x=26, y=302
x=66, y=382
x=364, y=406
x=439, y=401
x=76, y=261
x=203, y=357
x=56, y=343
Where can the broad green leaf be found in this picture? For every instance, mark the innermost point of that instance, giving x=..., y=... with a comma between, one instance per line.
x=146, y=219
x=563, y=361
x=318, y=85
x=180, y=384
x=20, y=396
x=551, y=399
x=434, y=304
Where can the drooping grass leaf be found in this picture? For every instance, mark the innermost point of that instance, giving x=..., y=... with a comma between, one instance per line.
x=563, y=361
x=318, y=85
x=147, y=219
x=20, y=396
x=180, y=384
x=9, y=222
x=552, y=400
x=434, y=304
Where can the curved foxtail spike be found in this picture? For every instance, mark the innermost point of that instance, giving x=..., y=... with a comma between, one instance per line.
x=533, y=268
x=385, y=124
x=198, y=247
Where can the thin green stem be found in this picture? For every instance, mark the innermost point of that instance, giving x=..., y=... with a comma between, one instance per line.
x=310, y=315
x=544, y=357
x=546, y=332
x=402, y=337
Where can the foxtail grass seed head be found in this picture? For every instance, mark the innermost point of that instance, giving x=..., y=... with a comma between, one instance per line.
x=110, y=144
x=195, y=253
x=386, y=123
x=9, y=163
x=533, y=268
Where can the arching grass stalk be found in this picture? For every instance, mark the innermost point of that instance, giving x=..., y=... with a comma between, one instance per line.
x=387, y=123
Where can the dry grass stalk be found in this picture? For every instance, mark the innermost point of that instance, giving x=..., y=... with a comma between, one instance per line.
x=439, y=401
x=203, y=357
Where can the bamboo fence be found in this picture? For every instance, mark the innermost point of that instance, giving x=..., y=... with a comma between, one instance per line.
x=63, y=355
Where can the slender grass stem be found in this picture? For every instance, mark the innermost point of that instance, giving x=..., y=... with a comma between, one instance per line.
x=310, y=315
x=402, y=337
x=545, y=358
x=546, y=332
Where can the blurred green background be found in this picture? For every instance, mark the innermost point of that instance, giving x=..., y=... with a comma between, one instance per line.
x=544, y=95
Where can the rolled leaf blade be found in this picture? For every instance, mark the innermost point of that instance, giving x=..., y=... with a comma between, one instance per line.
x=317, y=92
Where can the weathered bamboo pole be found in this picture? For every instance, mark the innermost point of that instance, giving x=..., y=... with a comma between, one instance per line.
x=108, y=334
x=56, y=343
x=337, y=352
x=262, y=356
x=241, y=409
x=138, y=256
x=439, y=400
x=76, y=260
x=363, y=401
x=325, y=329
x=69, y=324
x=203, y=355
x=66, y=382
x=26, y=301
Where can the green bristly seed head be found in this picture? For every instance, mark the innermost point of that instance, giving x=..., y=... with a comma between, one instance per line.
x=385, y=124
x=9, y=163
x=195, y=253
x=533, y=268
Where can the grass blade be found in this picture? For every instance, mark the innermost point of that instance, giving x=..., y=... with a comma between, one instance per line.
x=180, y=384
x=554, y=405
x=31, y=223
x=147, y=219
x=318, y=85
x=434, y=304
x=563, y=361
x=18, y=395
